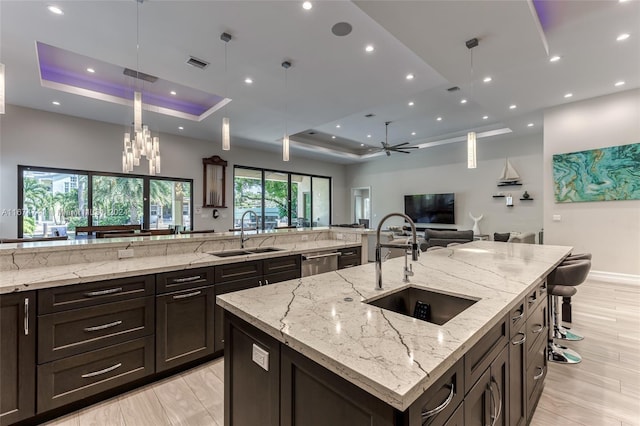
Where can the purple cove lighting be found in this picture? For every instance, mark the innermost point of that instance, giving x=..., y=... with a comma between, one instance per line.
x=544, y=12
x=65, y=68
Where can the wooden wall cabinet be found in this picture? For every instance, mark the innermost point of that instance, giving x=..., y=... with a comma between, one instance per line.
x=214, y=174
x=17, y=356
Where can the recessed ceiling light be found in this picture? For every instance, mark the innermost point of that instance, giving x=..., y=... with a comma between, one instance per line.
x=91, y=70
x=463, y=101
x=439, y=118
x=411, y=103
x=333, y=137
x=530, y=125
x=413, y=133
x=514, y=106
x=487, y=79
x=623, y=1
x=337, y=126
x=248, y=80
x=568, y=95
x=361, y=144
x=368, y=136
x=173, y=92
x=307, y=5
x=554, y=58
x=56, y=10
x=410, y=77
x=619, y=83
x=485, y=117
x=56, y=103
x=180, y=128
x=369, y=48
x=622, y=37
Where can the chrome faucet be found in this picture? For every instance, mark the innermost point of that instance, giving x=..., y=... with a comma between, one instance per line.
x=415, y=252
x=242, y=237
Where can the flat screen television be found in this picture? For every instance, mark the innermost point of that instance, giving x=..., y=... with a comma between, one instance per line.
x=430, y=208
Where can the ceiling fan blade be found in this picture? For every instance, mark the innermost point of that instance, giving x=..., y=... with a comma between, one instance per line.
x=404, y=152
x=400, y=144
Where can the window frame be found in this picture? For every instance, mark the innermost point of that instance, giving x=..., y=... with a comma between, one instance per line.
x=146, y=184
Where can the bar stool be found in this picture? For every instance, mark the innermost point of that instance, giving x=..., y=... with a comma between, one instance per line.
x=566, y=301
x=562, y=282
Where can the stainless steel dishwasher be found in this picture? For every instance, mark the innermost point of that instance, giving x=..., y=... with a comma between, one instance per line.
x=319, y=262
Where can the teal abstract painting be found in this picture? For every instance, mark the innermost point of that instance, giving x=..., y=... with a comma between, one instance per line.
x=604, y=174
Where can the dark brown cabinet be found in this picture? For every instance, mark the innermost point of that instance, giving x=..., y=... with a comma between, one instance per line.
x=350, y=257
x=517, y=383
x=486, y=402
x=17, y=356
x=184, y=326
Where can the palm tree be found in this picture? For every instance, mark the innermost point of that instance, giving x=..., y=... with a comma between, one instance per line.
x=35, y=194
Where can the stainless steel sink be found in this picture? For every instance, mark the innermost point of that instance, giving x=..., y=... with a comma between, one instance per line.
x=230, y=253
x=411, y=301
x=263, y=249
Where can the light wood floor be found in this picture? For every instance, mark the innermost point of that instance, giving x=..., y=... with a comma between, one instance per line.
x=602, y=390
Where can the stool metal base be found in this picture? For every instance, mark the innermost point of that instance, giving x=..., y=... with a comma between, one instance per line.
x=563, y=355
x=560, y=332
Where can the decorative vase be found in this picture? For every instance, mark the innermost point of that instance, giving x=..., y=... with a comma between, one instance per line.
x=525, y=195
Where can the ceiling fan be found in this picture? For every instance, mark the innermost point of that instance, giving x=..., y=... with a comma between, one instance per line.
x=395, y=148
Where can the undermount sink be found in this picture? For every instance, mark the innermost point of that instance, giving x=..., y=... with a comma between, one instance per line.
x=430, y=306
x=244, y=252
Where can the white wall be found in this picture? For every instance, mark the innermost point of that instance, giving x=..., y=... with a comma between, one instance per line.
x=38, y=138
x=610, y=230
x=444, y=169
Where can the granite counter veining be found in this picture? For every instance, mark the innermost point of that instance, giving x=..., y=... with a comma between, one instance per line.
x=157, y=258
x=392, y=356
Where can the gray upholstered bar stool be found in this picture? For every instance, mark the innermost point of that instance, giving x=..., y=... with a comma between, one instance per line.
x=567, y=316
x=562, y=282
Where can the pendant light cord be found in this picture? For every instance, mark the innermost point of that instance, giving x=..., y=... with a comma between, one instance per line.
x=286, y=130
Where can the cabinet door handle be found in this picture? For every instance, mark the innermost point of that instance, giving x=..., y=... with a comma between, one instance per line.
x=539, y=329
x=184, y=296
x=99, y=372
x=260, y=283
x=517, y=317
x=532, y=300
x=103, y=326
x=103, y=292
x=539, y=376
x=26, y=316
x=430, y=413
x=499, y=407
x=266, y=282
x=521, y=341
x=186, y=279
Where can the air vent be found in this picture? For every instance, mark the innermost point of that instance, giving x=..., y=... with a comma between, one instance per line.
x=312, y=133
x=370, y=115
x=453, y=89
x=140, y=75
x=198, y=63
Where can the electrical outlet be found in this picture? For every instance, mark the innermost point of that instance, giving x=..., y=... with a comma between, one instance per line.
x=124, y=254
x=339, y=236
x=557, y=218
x=260, y=357
x=304, y=237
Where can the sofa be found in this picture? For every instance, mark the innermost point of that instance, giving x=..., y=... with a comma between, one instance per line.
x=434, y=237
x=515, y=237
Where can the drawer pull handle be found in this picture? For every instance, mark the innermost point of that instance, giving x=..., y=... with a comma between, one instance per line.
x=186, y=279
x=532, y=299
x=496, y=415
x=517, y=317
x=430, y=413
x=103, y=292
x=539, y=376
x=539, y=329
x=266, y=282
x=99, y=372
x=103, y=326
x=184, y=296
x=26, y=316
x=521, y=341
x=318, y=256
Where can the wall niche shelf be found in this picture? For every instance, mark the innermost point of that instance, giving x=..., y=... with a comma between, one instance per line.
x=526, y=199
x=214, y=173
x=498, y=196
x=509, y=184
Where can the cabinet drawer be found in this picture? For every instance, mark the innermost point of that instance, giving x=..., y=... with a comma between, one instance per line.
x=480, y=356
x=349, y=261
x=238, y=271
x=351, y=251
x=91, y=294
x=441, y=399
x=536, y=329
x=218, y=322
x=281, y=264
x=184, y=279
x=536, y=296
x=74, y=378
x=517, y=317
x=536, y=373
x=67, y=333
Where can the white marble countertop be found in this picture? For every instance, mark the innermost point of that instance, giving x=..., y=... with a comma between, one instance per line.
x=392, y=356
x=52, y=275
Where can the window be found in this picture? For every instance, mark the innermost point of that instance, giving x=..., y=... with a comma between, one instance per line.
x=55, y=201
x=281, y=198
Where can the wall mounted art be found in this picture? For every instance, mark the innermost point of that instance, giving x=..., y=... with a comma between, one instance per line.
x=604, y=174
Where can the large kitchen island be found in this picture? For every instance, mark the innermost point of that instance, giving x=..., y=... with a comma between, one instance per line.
x=331, y=349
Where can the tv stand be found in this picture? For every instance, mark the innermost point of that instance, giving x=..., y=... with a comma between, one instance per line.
x=423, y=228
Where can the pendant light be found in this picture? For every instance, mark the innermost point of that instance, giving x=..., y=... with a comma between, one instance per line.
x=226, y=140
x=285, y=140
x=1, y=88
x=142, y=143
x=471, y=136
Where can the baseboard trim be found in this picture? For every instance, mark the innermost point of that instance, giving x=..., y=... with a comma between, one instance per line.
x=615, y=277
